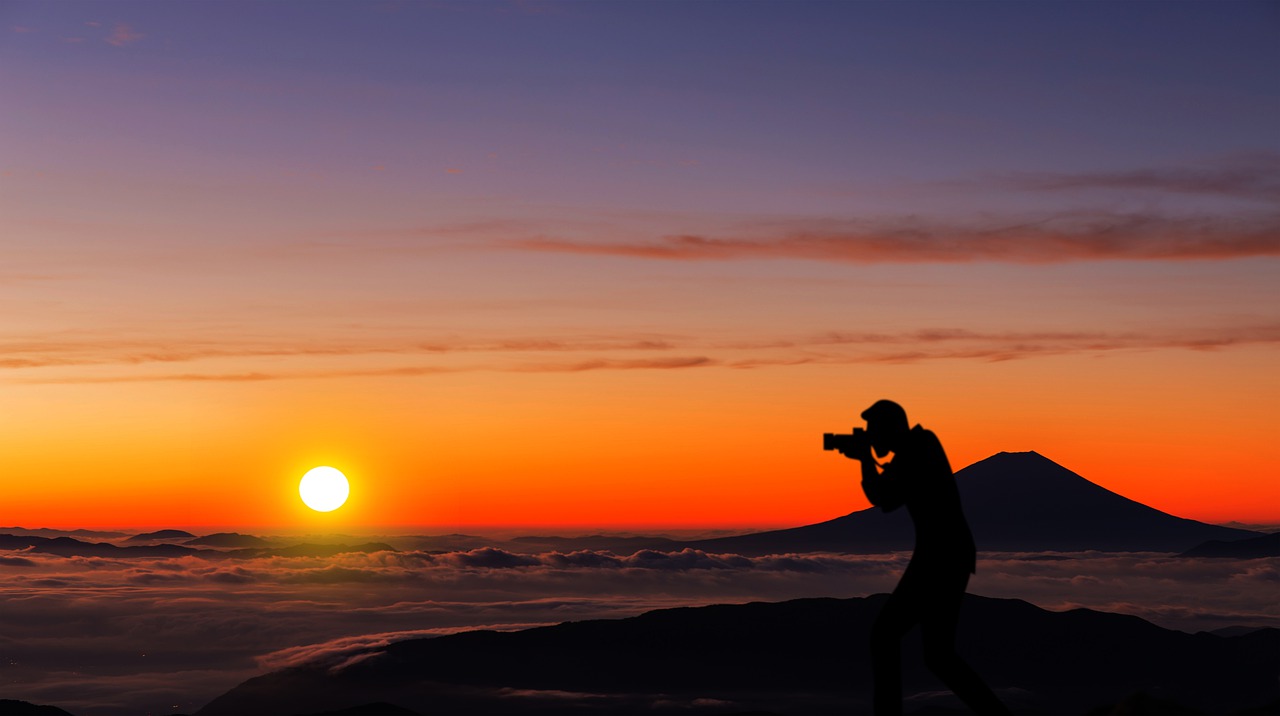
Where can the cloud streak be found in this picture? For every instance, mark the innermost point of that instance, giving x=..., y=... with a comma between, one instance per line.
x=1060, y=238
x=1252, y=176
x=831, y=347
x=123, y=35
x=41, y=353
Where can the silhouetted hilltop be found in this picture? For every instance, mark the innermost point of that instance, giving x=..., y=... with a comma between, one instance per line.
x=450, y=543
x=309, y=550
x=620, y=545
x=228, y=539
x=379, y=709
x=1014, y=502
x=9, y=707
x=802, y=656
x=68, y=547
x=161, y=535
x=1251, y=548
x=48, y=532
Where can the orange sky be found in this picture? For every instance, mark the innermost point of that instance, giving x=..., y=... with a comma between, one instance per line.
x=572, y=284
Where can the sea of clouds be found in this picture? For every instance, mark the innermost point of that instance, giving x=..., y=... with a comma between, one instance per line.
x=115, y=637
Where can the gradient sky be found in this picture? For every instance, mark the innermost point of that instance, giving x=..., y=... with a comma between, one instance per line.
x=621, y=264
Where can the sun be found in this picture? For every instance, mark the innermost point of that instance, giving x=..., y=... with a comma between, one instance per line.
x=324, y=489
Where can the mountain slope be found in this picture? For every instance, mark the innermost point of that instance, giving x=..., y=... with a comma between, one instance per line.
x=1252, y=548
x=1014, y=502
x=803, y=656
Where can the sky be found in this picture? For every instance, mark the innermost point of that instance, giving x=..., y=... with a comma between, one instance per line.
x=619, y=265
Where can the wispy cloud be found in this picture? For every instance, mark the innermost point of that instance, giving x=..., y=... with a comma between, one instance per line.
x=584, y=354
x=400, y=371
x=1060, y=238
x=39, y=352
x=616, y=364
x=123, y=34
x=1247, y=176
x=958, y=343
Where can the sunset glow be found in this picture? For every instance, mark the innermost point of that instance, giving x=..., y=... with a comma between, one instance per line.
x=512, y=265
x=476, y=356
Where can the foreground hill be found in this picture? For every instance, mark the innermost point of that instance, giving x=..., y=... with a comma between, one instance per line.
x=805, y=656
x=1014, y=502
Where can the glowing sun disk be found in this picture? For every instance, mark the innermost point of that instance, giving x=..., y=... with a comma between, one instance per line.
x=324, y=489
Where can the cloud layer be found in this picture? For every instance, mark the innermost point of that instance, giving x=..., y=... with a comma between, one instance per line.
x=109, y=637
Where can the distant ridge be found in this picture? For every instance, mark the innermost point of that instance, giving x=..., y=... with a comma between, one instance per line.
x=1015, y=501
x=49, y=532
x=1252, y=548
x=68, y=547
x=228, y=539
x=161, y=535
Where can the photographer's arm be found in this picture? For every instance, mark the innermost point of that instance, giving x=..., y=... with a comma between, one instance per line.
x=881, y=489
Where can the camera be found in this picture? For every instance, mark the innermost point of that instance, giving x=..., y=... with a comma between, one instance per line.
x=856, y=441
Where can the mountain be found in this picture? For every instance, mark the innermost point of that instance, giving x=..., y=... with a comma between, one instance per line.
x=47, y=532
x=306, y=550
x=161, y=536
x=1014, y=502
x=1252, y=548
x=620, y=545
x=68, y=547
x=802, y=656
x=228, y=539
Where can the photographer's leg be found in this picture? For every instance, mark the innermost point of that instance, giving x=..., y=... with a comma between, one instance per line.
x=938, y=637
x=895, y=619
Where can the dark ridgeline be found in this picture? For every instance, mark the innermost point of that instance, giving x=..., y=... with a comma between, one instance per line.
x=228, y=539
x=797, y=657
x=162, y=536
x=68, y=547
x=1252, y=548
x=11, y=707
x=1016, y=502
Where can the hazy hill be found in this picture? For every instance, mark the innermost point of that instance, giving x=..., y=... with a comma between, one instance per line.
x=803, y=656
x=228, y=539
x=161, y=535
x=47, y=532
x=1252, y=548
x=1014, y=502
x=68, y=547
x=308, y=550
x=620, y=545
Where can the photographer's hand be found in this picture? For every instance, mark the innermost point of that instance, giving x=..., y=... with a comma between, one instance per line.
x=861, y=453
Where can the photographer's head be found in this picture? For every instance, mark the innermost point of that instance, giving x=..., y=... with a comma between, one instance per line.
x=887, y=426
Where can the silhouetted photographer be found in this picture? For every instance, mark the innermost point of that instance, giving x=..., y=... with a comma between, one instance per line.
x=933, y=585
